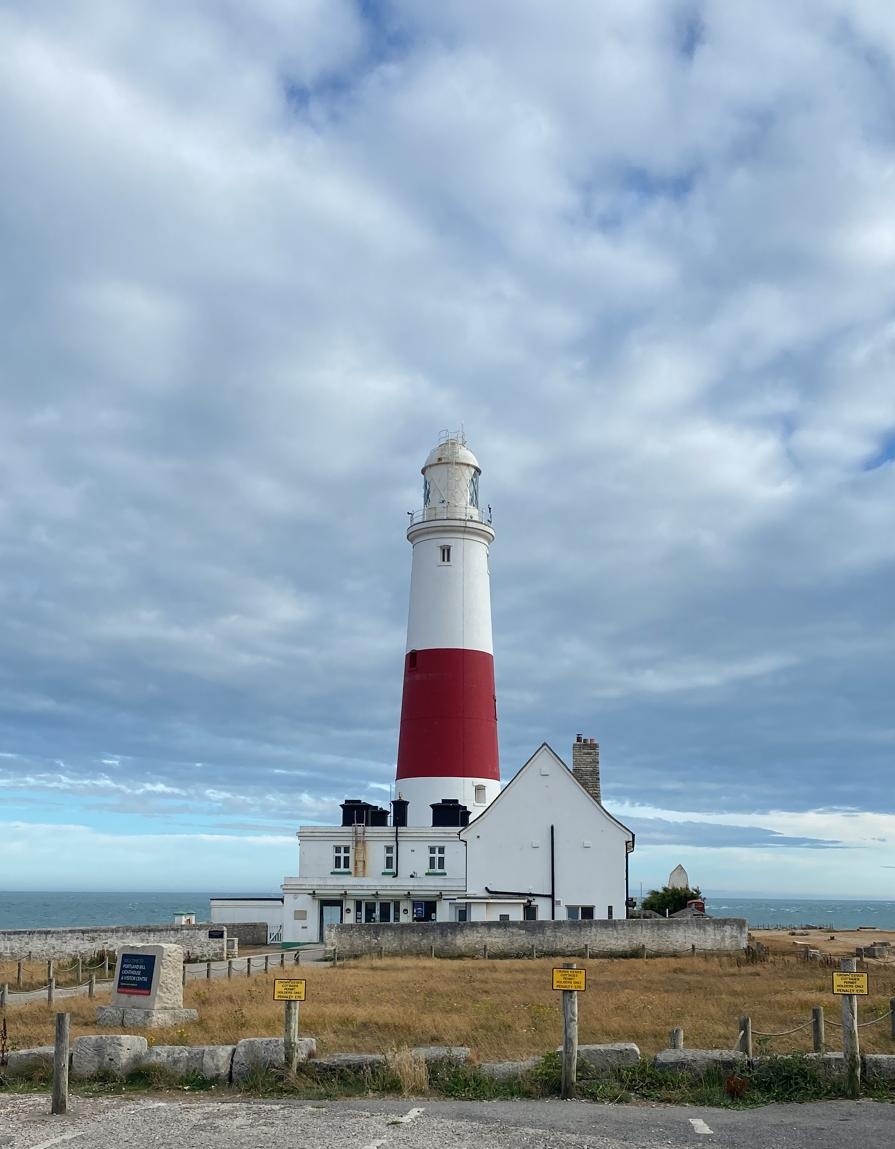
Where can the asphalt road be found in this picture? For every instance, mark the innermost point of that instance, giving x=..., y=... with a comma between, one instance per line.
x=205, y=1122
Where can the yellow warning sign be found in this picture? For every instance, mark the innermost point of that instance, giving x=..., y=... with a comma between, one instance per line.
x=289, y=989
x=569, y=979
x=850, y=983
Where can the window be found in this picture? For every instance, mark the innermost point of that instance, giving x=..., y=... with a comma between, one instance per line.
x=445, y=554
x=609, y=912
x=530, y=913
x=372, y=913
x=389, y=866
x=480, y=795
x=580, y=913
x=341, y=857
x=436, y=860
x=427, y=492
x=587, y=912
x=462, y=914
x=474, y=491
x=503, y=917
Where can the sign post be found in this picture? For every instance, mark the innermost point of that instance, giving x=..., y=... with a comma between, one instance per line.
x=572, y=981
x=849, y=984
x=290, y=990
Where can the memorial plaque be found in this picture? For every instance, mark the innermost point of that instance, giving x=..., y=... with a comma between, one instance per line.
x=219, y=934
x=135, y=974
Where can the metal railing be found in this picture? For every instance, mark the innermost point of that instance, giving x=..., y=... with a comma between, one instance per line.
x=454, y=512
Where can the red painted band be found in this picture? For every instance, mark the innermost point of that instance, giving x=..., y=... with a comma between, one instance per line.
x=448, y=715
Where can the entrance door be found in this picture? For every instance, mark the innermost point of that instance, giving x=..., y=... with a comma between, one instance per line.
x=330, y=915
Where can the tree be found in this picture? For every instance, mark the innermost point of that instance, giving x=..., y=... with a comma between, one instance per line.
x=669, y=898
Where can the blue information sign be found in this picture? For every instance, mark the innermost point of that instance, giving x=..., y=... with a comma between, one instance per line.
x=135, y=974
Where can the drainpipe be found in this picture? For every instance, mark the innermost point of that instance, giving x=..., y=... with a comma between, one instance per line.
x=552, y=873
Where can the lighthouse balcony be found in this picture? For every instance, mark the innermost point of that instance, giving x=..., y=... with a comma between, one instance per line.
x=450, y=511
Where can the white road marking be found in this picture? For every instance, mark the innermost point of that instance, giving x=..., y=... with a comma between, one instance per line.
x=57, y=1140
x=699, y=1126
x=410, y=1115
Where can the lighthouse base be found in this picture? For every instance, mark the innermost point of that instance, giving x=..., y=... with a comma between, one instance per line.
x=474, y=793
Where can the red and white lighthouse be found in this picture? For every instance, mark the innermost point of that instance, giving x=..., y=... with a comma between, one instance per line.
x=448, y=741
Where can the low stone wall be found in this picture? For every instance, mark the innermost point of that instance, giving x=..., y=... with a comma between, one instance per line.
x=84, y=941
x=560, y=939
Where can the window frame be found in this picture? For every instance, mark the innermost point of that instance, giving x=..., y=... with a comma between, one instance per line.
x=436, y=854
x=446, y=550
x=343, y=853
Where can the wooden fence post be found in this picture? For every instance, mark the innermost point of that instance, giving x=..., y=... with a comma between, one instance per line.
x=183, y=974
x=744, y=1041
x=4, y=995
x=818, y=1035
x=208, y=971
x=290, y=1043
x=80, y=970
x=892, y=1015
x=18, y=975
x=677, y=1038
x=229, y=967
x=267, y=963
x=50, y=970
x=60, y=1064
x=91, y=985
x=569, y=1039
x=106, y=966
x=248, y=967
x=850, y=1047
x=283, y=959
x=51, y=991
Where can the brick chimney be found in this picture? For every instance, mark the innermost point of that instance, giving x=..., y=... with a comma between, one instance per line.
x=586, y=764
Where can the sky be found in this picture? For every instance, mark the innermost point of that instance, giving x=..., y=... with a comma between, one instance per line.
x=256, y=257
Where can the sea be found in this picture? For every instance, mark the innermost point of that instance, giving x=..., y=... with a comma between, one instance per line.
x=47, y=910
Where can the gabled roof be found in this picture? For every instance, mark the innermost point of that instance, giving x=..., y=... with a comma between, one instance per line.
x=559, y=762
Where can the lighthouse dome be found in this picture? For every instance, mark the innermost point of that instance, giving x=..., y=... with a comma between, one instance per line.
x=451, y=450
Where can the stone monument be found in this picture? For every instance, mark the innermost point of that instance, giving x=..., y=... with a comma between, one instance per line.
x=148, y=989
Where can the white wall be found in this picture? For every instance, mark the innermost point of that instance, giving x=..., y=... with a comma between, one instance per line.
x=316, y=855
x=248, y=910
x=509, y=844
x=450, y=603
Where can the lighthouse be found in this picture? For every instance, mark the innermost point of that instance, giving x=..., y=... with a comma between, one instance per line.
x=447, y=747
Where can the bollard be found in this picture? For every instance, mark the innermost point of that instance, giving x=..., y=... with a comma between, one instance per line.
x=850, y=1047
x=51, y=991
x=91, y=985
x=208, y=971
x=18, y=975
x=818, y=1035
x=4, y=995
x=60, y=1066
x=248, y=967
x=229, y=967
x=677, y=1038
x=569, y=1039
x=744, y=1042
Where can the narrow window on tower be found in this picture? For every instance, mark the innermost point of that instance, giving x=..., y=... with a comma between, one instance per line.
x=411, y=660
x=480, y=795
x=474, y=491
x=445, y=554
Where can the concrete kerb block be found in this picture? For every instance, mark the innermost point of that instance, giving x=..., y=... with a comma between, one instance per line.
x=439, y=1054
x=23, y=1062
x=117, y=1055
x=260, y=1053
x=697, y=1062
x=349, y=1063
x=879, y=1067
x=601, y=1060
x=211, y=1062
x=508, y=1070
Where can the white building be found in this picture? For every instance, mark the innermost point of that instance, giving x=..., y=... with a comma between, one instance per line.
x=454, y=847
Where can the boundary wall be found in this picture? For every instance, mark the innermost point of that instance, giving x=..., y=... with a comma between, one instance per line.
x=515, y=939
x=84, y=941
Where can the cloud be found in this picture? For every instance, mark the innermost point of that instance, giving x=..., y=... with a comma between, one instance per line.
x=255, y=259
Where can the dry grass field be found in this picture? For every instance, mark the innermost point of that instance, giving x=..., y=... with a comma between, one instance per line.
x=506, y=1009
